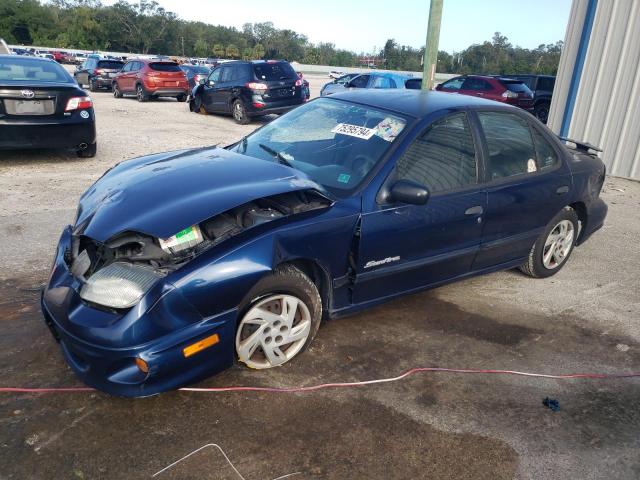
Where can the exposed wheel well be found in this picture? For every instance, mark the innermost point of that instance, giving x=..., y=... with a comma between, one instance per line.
x=319, y=277
x=581, y=210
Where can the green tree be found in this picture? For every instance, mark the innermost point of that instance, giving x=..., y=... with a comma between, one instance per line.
x=218, y=50
x=232, y=51
x=200, y=48
x=247, y=53
x=258, y=51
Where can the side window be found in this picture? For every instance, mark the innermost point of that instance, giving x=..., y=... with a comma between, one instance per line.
x=215, y=75
x=225, y=76
x=360, y=81
x=546, y=83
x=546, y=155
x=381, y=82
x=443, y=157
x=454, y=83
x=476, y=84
x=135, y=66
x=127, y=67
x=510, y=145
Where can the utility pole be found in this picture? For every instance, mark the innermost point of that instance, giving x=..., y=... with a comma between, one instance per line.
x=182, y=38
x=431, y=47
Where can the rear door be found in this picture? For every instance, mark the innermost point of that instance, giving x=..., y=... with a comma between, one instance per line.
x=527, y=185
x=477, y=87
x=406, y=247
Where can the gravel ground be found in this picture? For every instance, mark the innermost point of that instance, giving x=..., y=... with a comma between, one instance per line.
x=430, y=426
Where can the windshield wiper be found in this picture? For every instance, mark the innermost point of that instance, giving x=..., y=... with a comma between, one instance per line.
x=275, y=154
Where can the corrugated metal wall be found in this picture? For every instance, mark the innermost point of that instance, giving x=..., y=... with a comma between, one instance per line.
x=606, y=112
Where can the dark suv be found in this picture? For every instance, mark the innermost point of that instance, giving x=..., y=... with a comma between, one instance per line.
x=151, y=78
x=97, y=73
x=542, y=88
x=249, y=89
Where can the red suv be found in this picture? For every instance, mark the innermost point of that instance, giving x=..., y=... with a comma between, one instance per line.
x=151, y=78
x=505, y=90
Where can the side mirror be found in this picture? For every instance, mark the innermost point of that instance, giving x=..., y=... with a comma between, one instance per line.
x=406, y=191
x=439, y=86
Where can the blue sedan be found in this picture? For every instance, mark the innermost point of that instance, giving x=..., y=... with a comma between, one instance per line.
x=379, y=80
x=180, y=263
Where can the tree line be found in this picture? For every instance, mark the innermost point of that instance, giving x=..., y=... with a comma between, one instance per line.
x=145, y=27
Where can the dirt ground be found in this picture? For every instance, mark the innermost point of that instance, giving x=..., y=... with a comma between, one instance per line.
x=434, y=425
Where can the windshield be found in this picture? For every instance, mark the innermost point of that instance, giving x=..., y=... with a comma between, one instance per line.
x=515, y=86
x=23, y=69
x=335, y=143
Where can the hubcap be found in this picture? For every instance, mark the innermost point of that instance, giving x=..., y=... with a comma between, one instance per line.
x=558, y=245
x=237, y=111
x=140, y=93
x=273, y=331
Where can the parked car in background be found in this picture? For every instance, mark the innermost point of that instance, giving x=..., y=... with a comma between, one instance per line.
x=97, y=73
x=41, y=106
x=499, y=89
x=247, y=89
x=542, y=88
x=367, y=80
x=348, y=201
x=339, y=81
x=195, y=73
x=335, y=74
x=151, y=78
x=79, y=58
x=60, y=57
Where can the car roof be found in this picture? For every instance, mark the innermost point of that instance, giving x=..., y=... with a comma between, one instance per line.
x=415, y=103
x=21, y=58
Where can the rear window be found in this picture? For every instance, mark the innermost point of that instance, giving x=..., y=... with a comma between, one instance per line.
x=515, y=86
x=25, y=69
x=274, y=71
x=110, y=64
x=164, y=67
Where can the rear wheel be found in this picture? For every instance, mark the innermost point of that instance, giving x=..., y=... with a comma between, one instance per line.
x=141, y=95
x=240, y=112
x=181, y=98
x=552, y=249
x=92, y=86
x=281, y=318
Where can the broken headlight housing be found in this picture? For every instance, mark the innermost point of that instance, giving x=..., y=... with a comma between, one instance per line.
x=119, y=285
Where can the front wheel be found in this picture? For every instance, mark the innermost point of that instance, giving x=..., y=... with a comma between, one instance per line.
x=281, y=318
x=552, y=249
x=116, y=91
x=181, y=98
x=92, y=86
x=240, y=113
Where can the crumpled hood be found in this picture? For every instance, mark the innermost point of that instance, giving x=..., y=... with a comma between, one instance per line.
x=162, y=194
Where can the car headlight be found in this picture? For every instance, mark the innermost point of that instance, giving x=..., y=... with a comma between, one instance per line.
x=119, y=285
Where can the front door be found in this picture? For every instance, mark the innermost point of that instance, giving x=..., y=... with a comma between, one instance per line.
x=211, y=98
x=406, y=247
x=527, y=185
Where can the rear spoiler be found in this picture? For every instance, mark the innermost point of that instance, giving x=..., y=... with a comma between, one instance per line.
x=582, y=146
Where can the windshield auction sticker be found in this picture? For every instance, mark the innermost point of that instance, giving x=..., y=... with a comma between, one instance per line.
x=354, y=131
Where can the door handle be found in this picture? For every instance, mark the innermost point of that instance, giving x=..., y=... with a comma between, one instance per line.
x=477, y=210
x=562, y=190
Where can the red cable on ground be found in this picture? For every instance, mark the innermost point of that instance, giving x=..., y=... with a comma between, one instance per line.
x=349, y=384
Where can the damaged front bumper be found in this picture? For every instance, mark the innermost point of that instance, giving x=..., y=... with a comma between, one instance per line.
x=101, y=346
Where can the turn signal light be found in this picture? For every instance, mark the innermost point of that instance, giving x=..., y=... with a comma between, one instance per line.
x=142, y=365
x=78, y=103
x=201, y=345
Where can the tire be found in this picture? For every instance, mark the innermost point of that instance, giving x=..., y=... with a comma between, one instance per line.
x=181, y=98
x=263, y=330
x=560, y=237
x=92, y=86
x=88, y=152
x=239, y=112
x=141, y=95
x=116, y=91
x=541, y=111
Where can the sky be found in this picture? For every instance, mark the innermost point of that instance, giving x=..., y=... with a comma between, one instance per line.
x=361, y=25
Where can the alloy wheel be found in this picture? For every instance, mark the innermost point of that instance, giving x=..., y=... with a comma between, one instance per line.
x=273, y=331
x=237, y=111
x=558, y=244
